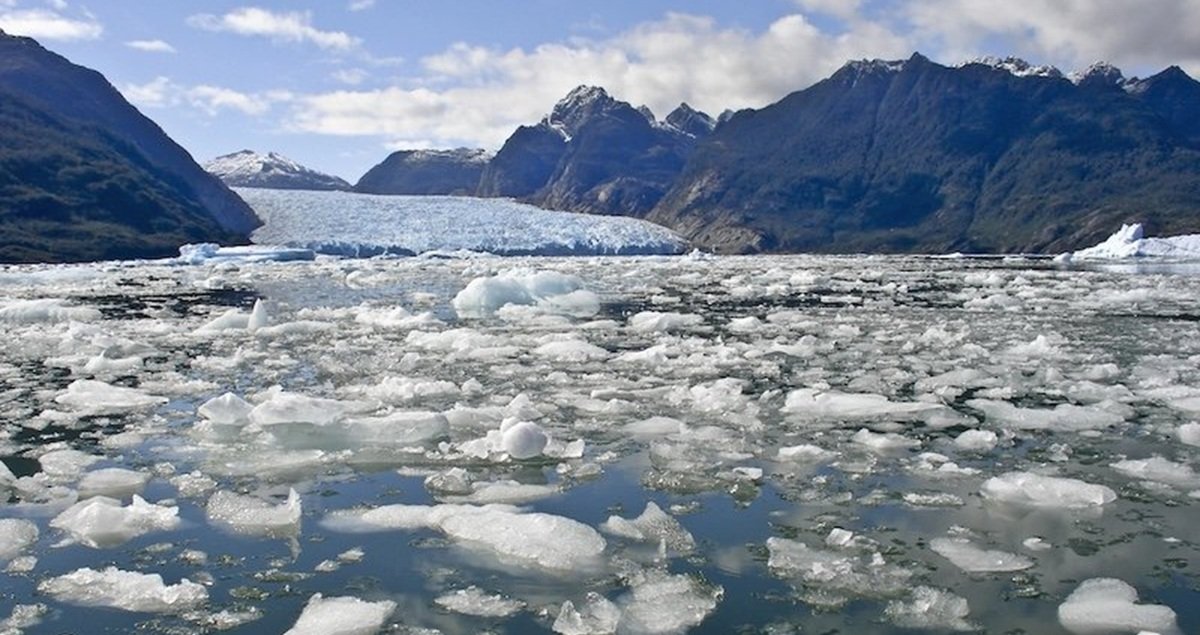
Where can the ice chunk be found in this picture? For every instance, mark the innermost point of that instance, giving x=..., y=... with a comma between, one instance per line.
x=523, y=440
x=1189, y=433
x=883, y=442
x=805, y=452
x=545, y=540
x=124, y=590
x=976, y=441
x=597, y=616
x=102, y=522
x=396, y=390
x=655, y=321
x=112, y=481
x=653, y=524
x=1159, y=470
x=403, y=428
x=1035, y=490
x=65, y=464
x=254, y=516
x=655, y=427
x=16, y=535
x=816, y=404
x=969, y=557
x=287, y=407
x=258, y=317
x=550, y=291
x=45, y=310
x=931, y=609
x=1130, y=242
x=662, y=603
x=228, y=409
x=1062, y=418
x=1106, y=605
x=504, y=492
x=200, y=253
x=475, y=601
x=571, y=351
x=341, y=616
x=97, y=397
x=23, y=616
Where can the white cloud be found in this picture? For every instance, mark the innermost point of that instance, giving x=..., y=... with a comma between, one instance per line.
x=151, y=46
x=361, y=5
x=161, y=92
x=478, y=95
x=293, y=26
x=44, y=24
x=350, y=76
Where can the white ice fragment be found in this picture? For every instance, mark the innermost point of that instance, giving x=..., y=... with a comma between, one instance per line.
x=969, y=557
x=805, y=452
x=655, y=321
x=97, y=397
x=254, y=516
x=404, y=428
x=65, y=464
x=45, y=310
x=1062, y=418
x=883, y=442
x=1159, y=470
x=550, y=291
x=102, y=522
x=124, y=590
x=287, y=407
x=1130, y=242
x=475, y=601
x=1036, y=543
x=228, y=409
x=816, y=404
x=662, y=603
x=230, y=320
x=931, y=609
x=258, y=317
x=1036, y=490
x=652, y=525
x=655, y=427
x=571, y=351
x=16, y=535
x=545, y=540
x=341, y=616
x=504, y=492
x=1189, y=433
x=597, y=616
x=976, y=441
x=523, y=440
x=115, y=482
x=1106, y=605
x=23, y=616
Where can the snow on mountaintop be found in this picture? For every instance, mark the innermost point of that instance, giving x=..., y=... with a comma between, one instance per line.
x=349, y=224
x=1130, y=242
x=689, y=121
x=247, y=168
x=1016, y=66
x=465, y=155
x=1099, y=72
x=579, y=104
x=875, y=66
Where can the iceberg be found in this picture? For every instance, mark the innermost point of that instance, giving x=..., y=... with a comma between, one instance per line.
x=102, y=522
x=1108, y=605
x=341, y=616
x=16, y=535
x=364, y=225
x=1130, y=242
x=124, y=590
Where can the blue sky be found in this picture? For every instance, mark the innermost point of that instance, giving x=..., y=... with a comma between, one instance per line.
x=337, y=84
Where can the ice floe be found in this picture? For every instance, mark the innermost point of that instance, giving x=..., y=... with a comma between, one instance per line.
x=1106, y=605
x=255, y=516
x=1130, y=241
x=549, y=291
x=972, y=558
x=1036, y=490
x=103, y=522
x=124, y=590
x=341, y=616
x=16, y=535
x=475, y=601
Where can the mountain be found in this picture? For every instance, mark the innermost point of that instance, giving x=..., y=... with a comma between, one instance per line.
x=247, y=168
x=596, y=154
x=84, y=176
x=426, y=172
x=913, y=156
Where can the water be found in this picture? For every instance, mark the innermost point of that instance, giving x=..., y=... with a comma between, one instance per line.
x=1101, y=365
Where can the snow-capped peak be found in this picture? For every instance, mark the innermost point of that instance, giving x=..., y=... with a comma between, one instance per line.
x=865, y=66
x=690, y=121
x=1100, y=73
x=579, y=105
x=247, y=168
x=1016, y=66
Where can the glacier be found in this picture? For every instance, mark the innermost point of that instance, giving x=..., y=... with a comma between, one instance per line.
x=365, y=225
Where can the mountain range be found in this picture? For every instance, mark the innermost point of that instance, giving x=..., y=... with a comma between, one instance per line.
x=247, y=168
x=84, y=176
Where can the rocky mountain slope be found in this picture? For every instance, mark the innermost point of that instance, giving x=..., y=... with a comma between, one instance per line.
x=247, y=168
x=453, y=172
x=913, y=156
x=84, y=176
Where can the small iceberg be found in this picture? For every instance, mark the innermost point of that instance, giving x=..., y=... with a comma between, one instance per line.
x=203, y=253
x=1130, y=242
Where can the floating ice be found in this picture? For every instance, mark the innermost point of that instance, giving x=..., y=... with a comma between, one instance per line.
x=1035, y=490
x=523, y=440
x=228, y=409
x=1062, y=418
x=397, y=429
x=23, y=616
x=662, y=603
x=97, y=397
x=1130, y=242
x=816, y=404
x=969, y=557
x=254, y=516
x=976, y=441
x=571, y=351
x=655, y=427
x=115, y=482
x=286, y=407
x=1189, y=433
x=653, y=524
x=16, y=535
x=1106, y=605
x=596, y=616
x=124, y=590
x=341, y=616
x=550, y=291
x=503, y=492
x=65, y=464
x=805, y=452
x=883, y=442
x=1159, y=470
x=548, y=541
x=931, y=609
x=202, y=253
x=475, y=601
x=397, y=390
x=102, y=522
x=44, y=310
x=837, y=574
x=655, y=321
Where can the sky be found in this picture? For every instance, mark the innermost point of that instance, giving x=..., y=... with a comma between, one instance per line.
x=339, y=84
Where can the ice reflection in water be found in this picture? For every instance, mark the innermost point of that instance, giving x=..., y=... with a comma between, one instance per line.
x=812, y=434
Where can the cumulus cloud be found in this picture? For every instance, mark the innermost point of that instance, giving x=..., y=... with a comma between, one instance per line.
x=295, y=26
x=47, y=24
x=151, y=46
x=161, y=92
x=478, y=95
